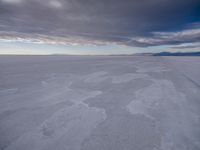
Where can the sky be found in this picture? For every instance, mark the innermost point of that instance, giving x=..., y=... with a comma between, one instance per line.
x=99, y=26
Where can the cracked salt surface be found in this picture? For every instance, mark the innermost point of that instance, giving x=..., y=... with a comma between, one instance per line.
x=101, y=103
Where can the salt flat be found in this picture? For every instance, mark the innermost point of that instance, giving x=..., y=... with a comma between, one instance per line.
x=99, y=103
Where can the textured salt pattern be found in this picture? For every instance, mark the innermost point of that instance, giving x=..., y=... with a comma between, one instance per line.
x=99, y=103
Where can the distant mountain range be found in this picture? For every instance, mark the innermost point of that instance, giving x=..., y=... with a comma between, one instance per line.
x=177, y=54
x=145, y=54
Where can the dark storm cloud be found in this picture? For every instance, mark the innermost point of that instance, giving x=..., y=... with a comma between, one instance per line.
x=128, y=22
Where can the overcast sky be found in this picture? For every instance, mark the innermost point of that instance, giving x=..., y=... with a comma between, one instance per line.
x=99, y=26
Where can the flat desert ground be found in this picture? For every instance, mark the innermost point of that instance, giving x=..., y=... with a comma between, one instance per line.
x=99, y=103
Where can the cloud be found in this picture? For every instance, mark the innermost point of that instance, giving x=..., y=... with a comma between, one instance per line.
x=46, y=39
x=12, y=1
x=129, y=22
x=167, y=38
x=55, y=4
x=187, y=46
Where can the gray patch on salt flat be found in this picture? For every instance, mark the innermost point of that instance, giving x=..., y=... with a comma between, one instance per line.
x=58, y=90
x=79, y=96
x=60, y=95
x=67, y=127
x=57, y=80
x=8, y=91
x=127, y=77
x=169, y=108
x=123, y=132
x=147, y=69
x=96, y=77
